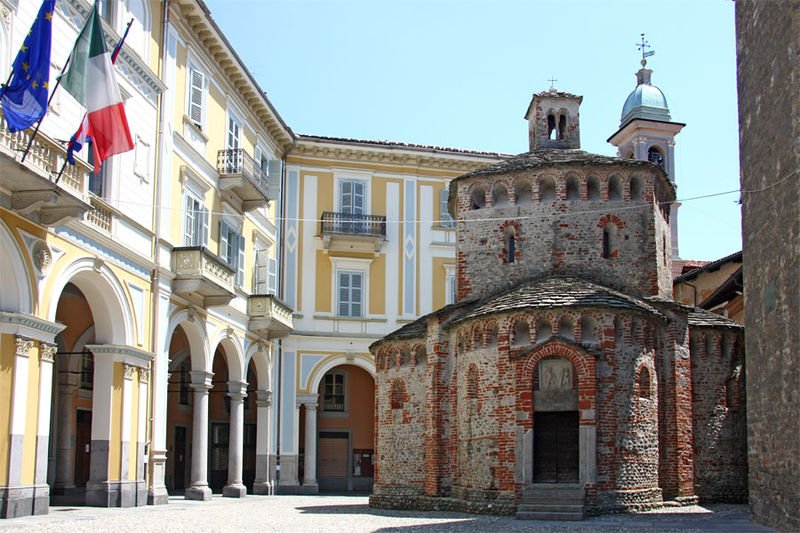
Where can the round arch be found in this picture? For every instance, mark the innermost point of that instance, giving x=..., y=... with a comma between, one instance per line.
x=195, y=334
x=234, y=354
x=258, y=355
x=17, y=294
x=332, y=362
x=107, y=299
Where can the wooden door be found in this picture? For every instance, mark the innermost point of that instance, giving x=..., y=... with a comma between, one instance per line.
x=555, y=447
x=83, y=446
x=179, y=475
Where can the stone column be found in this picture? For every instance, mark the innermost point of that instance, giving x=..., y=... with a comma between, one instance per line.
x=65, y=456
x=16, y=500
x=141, y=437
x=310, y=464
x=41, y=490
x=199, y=489
x=157, y=449
x=262, y=483
x=127, y=489
x=100, y=492
x=235, y=488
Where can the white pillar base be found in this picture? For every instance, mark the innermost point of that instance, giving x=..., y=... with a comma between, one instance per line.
x=234, y=490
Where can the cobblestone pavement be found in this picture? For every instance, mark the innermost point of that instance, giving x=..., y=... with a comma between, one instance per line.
x=307, y=514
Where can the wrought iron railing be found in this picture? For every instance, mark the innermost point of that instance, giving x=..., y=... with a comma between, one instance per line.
x=353, y=224
x=238, y=162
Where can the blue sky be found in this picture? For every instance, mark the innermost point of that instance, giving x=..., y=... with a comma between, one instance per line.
x=460, y=73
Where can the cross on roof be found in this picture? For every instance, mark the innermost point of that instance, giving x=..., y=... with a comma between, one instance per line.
x=642, y=47
x=552, y=81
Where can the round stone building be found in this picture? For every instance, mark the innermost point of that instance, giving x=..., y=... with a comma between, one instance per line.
x=564, y=380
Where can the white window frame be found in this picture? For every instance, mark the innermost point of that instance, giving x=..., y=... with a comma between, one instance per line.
x=193, y=67
x=199, y=227
x=450, y=286
x=345, y=383
x=233, y=253
x=364, y=179
x=445, y=220
x=350, y=264
x=233, y=118
x=351, y=302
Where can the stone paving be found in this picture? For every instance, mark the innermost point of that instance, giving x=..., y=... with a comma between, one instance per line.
x=307, y=514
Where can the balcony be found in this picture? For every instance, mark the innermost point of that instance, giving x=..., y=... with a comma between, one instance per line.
x=239, y=173
x=201, y=277
x=32, y=184
x=352, y=232
x=269, y=317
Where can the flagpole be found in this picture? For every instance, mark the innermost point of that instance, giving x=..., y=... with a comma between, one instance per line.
x=36, y=130
x=113, y=61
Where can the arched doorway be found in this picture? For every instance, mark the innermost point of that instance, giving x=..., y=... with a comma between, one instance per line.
x=219, y=415
x=249, y=437
x=180, y=412
x=345, y=429
x=556, y=456
x=71, y=417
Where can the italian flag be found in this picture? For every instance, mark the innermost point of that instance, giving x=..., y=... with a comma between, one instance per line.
x=90, y=79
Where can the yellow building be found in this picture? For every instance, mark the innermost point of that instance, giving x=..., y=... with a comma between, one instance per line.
x=75, y=307
x=369, y=246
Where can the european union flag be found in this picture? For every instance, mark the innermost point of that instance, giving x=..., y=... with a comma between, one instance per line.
x=24, y=98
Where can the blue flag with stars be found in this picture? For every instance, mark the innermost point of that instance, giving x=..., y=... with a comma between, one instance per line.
x=24, y=98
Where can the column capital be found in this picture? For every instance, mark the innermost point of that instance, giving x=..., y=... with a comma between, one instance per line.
x=24, y=346
x=129, y=371
x=237, y=390
x=263, y=398
x=306, y=399
x=201, y=380
x=144, y=375
x=310, y=406
x=47, y=352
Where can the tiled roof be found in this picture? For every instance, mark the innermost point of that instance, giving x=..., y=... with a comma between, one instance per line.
x=706, y=319
x=709, y=267
x=401, y=145
x=545, y=157
x=555, y=292
x=419, y=327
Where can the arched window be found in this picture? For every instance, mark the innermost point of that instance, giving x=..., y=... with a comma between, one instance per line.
x=588, y=327
x=614, y=188
x=522, y=192
x=636, y=188
x=547, y=190
x=543, y=330
x=551, y=126
x=609, y=240
x=565, y=328
x=655, y=155
x=491, y=335
x=510, y=244
x=644, y=383
x=478, y=198
x=562, y=127
x=593, y=188
x=499, y=195
x=573, y=188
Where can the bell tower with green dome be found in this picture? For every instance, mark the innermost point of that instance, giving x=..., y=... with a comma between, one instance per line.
x=647, y=132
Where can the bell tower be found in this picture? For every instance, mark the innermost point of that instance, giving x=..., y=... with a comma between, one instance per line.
x=554, y=120
x=647, y=132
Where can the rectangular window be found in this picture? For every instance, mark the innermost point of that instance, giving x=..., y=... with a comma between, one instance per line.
x=350, y=291
x=450, y=286
x=195, y=223
x=231, y=249
x=351, y=197
x=260, y=272
x=197, y=82
x=333, y=395
x=234, y=130
x=444, y=215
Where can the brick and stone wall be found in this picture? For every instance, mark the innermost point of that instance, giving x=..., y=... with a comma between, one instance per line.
x=768, y=71
x=558, y=229
x=718, y=409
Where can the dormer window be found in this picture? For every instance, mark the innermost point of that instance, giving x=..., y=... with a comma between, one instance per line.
x=654, y=155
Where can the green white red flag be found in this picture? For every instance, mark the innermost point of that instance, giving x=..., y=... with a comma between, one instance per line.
x=91, y=80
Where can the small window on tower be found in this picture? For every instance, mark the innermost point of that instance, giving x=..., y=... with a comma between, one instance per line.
x=609, y=241
x=551, y=127
x=562, y=127
x=511, y=244
x=478, y=198
x=654, y=155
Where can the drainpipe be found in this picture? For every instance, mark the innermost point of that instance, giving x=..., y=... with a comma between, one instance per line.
x=156, y=248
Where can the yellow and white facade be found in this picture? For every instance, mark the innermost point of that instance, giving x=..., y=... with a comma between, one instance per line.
x=76, y=347
x=368, y=247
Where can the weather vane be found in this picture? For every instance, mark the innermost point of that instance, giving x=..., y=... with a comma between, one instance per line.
x=643, y=46
x=552, y=81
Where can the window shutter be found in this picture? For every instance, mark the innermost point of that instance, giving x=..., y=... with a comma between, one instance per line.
x=260, y=274
x=344, y=294
x=274, y=182
x=346, y=196
x=196, y=97
x=240, y=262
x=203, y=233
x=272, y=283
x=189, y=221
x=358, y=198
x=223, y=242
